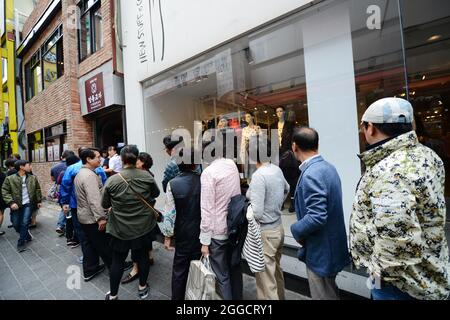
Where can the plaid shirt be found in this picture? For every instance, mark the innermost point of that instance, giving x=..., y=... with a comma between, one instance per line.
x=170, y=172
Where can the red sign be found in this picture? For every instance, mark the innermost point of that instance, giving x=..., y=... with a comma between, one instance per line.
x=95, y=96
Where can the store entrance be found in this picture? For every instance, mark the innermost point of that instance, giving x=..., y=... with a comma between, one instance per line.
x=427, y=46
x=109, y=129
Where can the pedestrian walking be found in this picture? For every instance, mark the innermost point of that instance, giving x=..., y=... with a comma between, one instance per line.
x=22, y=193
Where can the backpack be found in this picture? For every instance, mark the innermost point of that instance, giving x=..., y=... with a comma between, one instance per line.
x=237, y=225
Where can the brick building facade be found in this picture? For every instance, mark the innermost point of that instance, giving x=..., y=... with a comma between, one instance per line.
x=56, y=115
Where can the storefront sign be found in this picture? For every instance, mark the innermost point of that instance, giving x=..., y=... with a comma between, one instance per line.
x=95, y=95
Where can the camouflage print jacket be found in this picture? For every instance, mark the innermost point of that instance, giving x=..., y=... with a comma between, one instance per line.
x=398, y=219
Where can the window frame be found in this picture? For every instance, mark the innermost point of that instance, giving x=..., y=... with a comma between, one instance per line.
x=89, y=12
x=37, y=60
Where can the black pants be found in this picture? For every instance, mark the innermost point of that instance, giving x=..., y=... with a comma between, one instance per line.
x=228, y=278
x=180, y=273
x=70, y=232
x=118, y=263
x=95, y=245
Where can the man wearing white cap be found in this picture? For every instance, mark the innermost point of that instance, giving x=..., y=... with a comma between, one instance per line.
x=398, y=219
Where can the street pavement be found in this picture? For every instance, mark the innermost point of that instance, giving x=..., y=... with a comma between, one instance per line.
x=45, y=271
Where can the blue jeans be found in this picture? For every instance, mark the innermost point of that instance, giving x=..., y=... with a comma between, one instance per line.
x=390, y=292
x=61, y=220
x=21, y=220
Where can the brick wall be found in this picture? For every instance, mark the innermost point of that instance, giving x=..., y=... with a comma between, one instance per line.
x=61, y=100
x=35, y=15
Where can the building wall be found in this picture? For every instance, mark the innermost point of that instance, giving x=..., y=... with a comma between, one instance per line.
x=35, y=15
x=61, y=100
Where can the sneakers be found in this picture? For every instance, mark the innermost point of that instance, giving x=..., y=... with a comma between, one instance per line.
x=74, y=245
x=143, y=293
x=34, y=226
x=21, y=248
x=108, y=296
x=2, y=233
x=100, y=269
x=60, y=231
x=30, y=236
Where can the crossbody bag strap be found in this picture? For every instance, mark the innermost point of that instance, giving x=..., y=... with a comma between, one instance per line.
x=140, y=197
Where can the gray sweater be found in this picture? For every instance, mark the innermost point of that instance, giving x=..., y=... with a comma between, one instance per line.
x=267, y=193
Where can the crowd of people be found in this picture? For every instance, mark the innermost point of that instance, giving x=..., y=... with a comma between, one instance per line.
x=396, y=226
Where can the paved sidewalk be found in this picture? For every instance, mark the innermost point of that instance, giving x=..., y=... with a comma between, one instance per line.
x=40, y=273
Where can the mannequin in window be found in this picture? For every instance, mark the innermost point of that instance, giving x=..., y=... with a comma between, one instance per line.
x=288, y=163
x=250, y=130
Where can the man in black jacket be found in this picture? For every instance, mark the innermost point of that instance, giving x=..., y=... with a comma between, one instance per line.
x=184, y=193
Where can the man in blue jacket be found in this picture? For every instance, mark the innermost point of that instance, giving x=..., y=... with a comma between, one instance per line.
x=320, y=229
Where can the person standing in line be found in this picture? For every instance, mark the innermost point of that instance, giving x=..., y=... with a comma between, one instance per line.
x=183, y=198
x=220, y=182
x=69, y=202
x=131, y=221
x=22, y=193
x=397, y=226
x=54, y=174
x=171, y=170
x=267, y=192
x=144, y=162
x=115, y=162
x=91, y=215
x=320, y=229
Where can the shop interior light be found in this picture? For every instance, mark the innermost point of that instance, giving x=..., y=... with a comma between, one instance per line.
x=440, y=102
x=424, y=77
x=434, y=37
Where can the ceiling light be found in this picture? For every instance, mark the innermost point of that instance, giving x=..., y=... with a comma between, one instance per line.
x=424, y=77
x=440, y=102
x=434, y=37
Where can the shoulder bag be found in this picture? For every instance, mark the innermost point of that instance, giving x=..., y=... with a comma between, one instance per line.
x=157, y=213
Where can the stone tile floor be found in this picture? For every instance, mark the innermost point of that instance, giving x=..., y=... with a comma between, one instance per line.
x=43, y=271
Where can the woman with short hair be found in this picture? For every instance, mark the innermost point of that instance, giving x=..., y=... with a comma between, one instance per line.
x=131, y=220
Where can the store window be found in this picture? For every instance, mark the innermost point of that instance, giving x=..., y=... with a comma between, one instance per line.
x=36, y=147
x=427, y=46
x=52, y=57
x=45, y=66
x=90, y=37
x=48, y=144
x=321, y=67
x=55, y=141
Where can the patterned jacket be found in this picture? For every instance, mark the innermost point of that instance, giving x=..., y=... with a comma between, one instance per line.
x=398, y=219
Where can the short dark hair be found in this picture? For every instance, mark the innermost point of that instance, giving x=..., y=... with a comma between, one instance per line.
x=189, y=165
x=170, y=144
x=110, y=148
x=9, y=163
x=262, y=144
x=88, y=153
x=80, y=150
x=16, y=156
x=129, y=154
x=146, y=159
x=20, y=163
x=392, y=129
x=72, y=160
x=67, y=154
x=306, y=139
